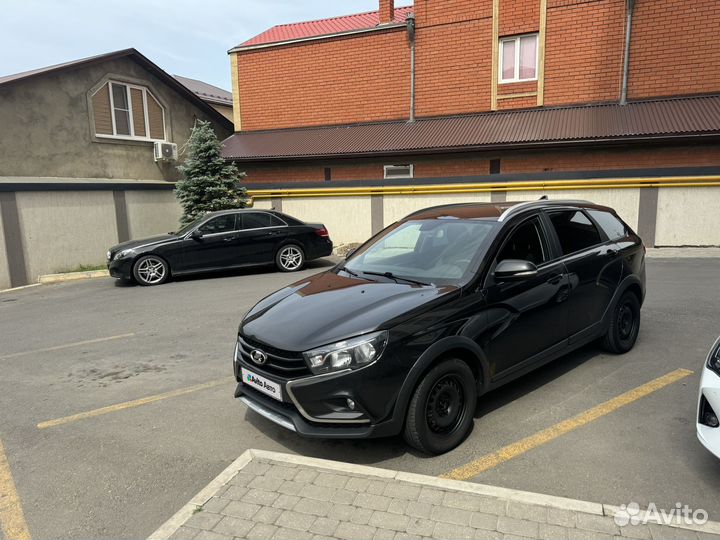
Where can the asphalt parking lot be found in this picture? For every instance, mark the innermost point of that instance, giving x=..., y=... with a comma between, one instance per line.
x=125, y=467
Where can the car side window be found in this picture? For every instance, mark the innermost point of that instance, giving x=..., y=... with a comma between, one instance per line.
x=256, y=220
x=574, y=230
x=525, y=243
x=219, y=224
x=613, y=227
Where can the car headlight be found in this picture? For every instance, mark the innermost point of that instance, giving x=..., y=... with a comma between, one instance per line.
x=352, y=353
x=713, y=363
x=109, y=255
x=123, y=253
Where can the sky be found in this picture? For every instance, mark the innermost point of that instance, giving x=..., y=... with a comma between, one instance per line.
x=184, y=37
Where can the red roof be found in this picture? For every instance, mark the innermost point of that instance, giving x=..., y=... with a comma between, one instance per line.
x=324, y=27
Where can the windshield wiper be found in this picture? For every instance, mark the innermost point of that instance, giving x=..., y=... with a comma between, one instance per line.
x=353, y=274
x=390, y=275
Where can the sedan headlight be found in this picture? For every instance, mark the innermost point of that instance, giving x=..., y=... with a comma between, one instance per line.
x=714, y=360
x=352, y=353
x=123, y=253
x=109, y=255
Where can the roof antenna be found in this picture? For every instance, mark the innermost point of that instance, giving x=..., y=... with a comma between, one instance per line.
x=543, y=198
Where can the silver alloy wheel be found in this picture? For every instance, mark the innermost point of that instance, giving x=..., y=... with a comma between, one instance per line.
x=290, y=258
x=151, y=270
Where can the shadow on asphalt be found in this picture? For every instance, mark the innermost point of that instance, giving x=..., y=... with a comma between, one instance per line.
x=317, y=264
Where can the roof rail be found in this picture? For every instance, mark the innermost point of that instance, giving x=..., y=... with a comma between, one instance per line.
x=514, y=209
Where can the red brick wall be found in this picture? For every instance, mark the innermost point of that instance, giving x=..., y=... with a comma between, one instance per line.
x=366, y=78
x=584, y=44
x=478, y=164
x=675, y=48
x=337, y=81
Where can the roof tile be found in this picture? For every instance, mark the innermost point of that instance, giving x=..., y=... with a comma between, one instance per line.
x=323, y=27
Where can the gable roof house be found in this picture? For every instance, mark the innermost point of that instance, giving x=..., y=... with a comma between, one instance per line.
x=219, y=99
x=78, y=164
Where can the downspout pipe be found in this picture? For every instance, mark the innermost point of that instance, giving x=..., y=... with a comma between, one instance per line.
x=626, y=59
x=411, y=39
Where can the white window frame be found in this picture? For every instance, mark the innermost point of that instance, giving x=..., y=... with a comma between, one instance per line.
x=516, y=74
x=409, y=166
x=132, y=137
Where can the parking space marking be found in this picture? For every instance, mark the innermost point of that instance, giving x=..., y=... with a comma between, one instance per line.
x=67, y=346
x=12, y=518
x=489, y=461
x=134, y=403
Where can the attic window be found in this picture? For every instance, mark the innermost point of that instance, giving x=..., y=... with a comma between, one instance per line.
x=398, y=171
x=128, y=111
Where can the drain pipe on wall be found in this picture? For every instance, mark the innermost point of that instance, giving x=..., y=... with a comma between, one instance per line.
x=411, y=38
x=626, y=59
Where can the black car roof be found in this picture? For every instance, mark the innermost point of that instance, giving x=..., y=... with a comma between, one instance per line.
x=496, y=211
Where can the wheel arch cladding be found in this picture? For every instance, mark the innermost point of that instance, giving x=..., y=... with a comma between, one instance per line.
x=458, y=347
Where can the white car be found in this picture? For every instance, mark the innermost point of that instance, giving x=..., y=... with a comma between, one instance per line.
x=708, y=427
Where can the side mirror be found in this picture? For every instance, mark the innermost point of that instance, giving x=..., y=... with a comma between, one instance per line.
x=514, y=270
x=350, y=253
x=196, y=234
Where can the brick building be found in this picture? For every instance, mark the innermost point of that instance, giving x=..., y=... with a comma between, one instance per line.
x=473, y=91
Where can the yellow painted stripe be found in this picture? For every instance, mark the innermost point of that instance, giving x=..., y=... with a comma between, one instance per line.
x=67, y=346
x=518, y=448
x=134, y=403
x=12, y=519
x=535, y=185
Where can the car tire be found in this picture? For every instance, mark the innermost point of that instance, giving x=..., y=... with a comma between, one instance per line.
x=290, y=258
x=441, y=410
x=624, y=325
x=151, y=270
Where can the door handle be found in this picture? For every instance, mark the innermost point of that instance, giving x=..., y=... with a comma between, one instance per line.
x=273, y=233
x=554, y=280
x=610, y=252
x=230, y=239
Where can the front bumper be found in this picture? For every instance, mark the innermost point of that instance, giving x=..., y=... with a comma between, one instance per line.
x=316, y=405
x=710, y=391
x=121, y=268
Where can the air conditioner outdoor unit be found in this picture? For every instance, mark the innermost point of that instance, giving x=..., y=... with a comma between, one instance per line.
x=165, y=151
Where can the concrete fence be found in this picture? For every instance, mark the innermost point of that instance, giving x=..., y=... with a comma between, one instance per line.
x=48, y=227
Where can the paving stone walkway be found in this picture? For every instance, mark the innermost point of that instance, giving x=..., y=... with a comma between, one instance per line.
x=276, y=496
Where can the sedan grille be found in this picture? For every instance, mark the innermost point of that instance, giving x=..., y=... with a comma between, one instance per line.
x=278, y=362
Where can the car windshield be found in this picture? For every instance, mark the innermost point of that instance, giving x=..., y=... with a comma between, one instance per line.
x=437, y=251
x=190, y=226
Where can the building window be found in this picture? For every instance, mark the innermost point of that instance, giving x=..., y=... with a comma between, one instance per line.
x=398, y=171
x=128, y=111
x=518, y=58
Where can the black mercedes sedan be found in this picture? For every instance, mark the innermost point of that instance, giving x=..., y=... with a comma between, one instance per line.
x=220, y=241
x=429, y=315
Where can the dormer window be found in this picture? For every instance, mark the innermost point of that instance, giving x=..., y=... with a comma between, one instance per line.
x=128, y=111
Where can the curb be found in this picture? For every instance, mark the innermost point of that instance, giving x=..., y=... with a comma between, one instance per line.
x=176, y=521
x=72, y=276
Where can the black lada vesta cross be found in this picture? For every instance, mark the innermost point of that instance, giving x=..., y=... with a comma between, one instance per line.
x=433, y=312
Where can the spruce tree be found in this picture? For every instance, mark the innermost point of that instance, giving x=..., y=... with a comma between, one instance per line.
x=209, y=182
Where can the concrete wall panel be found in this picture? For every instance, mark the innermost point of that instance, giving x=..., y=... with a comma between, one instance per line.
x=688, y=217
x=63, y=229
x=152, y=212
x=347, y=218
x=398, y=206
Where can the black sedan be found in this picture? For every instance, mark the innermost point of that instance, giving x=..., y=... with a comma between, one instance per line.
x=220, y=241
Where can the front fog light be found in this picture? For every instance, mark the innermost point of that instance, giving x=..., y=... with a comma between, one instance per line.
x=347, y=354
